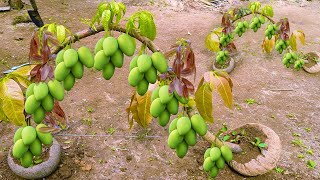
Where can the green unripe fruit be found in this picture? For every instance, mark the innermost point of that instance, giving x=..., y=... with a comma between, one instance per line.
x=151, y=75
x=240, y=25
x=144, y=63
x=215, y=153
x=47, y=103
x=61, y=71
x=117, y=59
x=256, y=20
x=157, y=108
x=266, y=32
x=85, y=57
x=77, y=70
x=159, y=62
x=127, y=44
x=142, y=87
x=246, y=24
x=181, y=99
x=59, y=57
x=19, y=148
x=45, y=138
x=31, y=104
x=255, y=29
x=182, y=149
x=68, y=83
x=36, y=147
x=191, y=138
x=29, y=91
x=208, y=164
x=237, y=30
x=98, y=47
x=207, y=153
x=183, y=125
x=39, y=115
x=288, y=56
x=110, y=46
x=226, y=153
x=108, y=71
x=261, y=19
x=285, y=61
x=26, y=160
x=214, y=172
x=155, y=93
x=164, y=118
x=199, y=124
x=173, y=106
x=17, y=135
x=173, y=125
x=135, y=76
x=100, y=60
x=70, y=58
x=252, y=25
x=220, y=163
x=269, y=36
x=28, y=135
x=40, y=91
x=294, y=55
x=174, y=139
x=133, y=63
x=56, y=90
x=164, y=94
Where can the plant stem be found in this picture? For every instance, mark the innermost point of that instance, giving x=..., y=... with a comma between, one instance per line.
x=88, y=32
x=272, y=21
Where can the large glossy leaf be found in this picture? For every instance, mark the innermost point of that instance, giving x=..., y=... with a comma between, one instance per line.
x=61, y=33
x=224, y=90
x=12, y=101
x=203, y=99
x=24, y=71
x=298, y=34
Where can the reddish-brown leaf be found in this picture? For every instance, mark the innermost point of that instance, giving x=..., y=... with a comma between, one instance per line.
x=58, y=110
x=35, y=70
x=231, y=47
x=188, y=84
x=45, y=71
x=178, y=86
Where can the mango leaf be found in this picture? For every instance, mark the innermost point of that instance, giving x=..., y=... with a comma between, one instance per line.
x=293, y=39
x=61, y=33
x=12, y=101
x=106, y=16
x=24, y=71
x=212, y=42
x=268, y=45
x=203, y=99
x=3, y=117
x=267, y=10
x=52, y=28
x=147, y=26
x=224, y=90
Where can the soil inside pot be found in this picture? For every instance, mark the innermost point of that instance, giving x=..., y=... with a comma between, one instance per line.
x=224, y=65
x=244, y=136
x=311, y=57
x=44, y=156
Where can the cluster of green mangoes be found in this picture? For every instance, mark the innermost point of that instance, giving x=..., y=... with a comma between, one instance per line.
x=215, y=158
x=40, y=98
x=183, y=133
x=28, y=143
x=222, y=56
x=281, y=45
x=292, y=58
x=69, y=65
x=241, y=28
x=271, y=30
x=256, y=23
x=143, y=70
x=109, y=53
x=225, y=39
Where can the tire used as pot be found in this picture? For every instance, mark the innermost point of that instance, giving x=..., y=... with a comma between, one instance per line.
x=228, y=69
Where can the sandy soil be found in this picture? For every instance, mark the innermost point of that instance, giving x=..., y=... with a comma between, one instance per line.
x=129, y=154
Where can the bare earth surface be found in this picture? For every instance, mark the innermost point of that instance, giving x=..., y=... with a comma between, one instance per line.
x=129, y=154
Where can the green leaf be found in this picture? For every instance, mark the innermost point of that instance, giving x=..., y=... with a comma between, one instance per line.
x=262, y=145
x=52, y=28
x=203, y=99
x=224, y=90
x=267, y=10
x=293, y=39
x=61, y=33
x=226, y=138
x=3, y=117
x=12, y=101
x=311, y=164
x=147, y=26
x=106, y=16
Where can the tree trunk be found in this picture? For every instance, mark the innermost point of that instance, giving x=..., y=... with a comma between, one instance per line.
x=16, y=4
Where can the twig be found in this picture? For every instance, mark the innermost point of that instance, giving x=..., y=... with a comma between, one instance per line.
x=272, y=21
x=88, y=32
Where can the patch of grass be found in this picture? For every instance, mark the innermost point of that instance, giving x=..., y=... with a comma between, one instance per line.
x=291, y=116
x=111, y=130
x=300, y=156
x=250, y=101
x=296, y=134
x=311, y=164
x=238, y=107
x=279, y=170
x=87, y=121
x=298, y=142
x=310, y=151
x=307, y=129
x=90, y=109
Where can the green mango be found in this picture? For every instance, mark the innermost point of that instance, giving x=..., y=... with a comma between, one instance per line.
x=47, y=103
x=159, y=62
x=207, y=153
x=226, y=153
x=28, y=135
x=215, y=153
x=117, y=58
x=155, y=93
x=142, y=87
x=214, y=172
x=135, y=77
x=99, y=46
x=70, y=58
x=77, y=70
x=191, y=138
x=26, y=160
x=59, y=57
x=157, y=108
x=45, y=138
x=31, y=104
x=56, y=89
x=133, y=63
x=174, y=139
x=164, y=94
x=108, y=71
x=68, y=83
x=182, y=149
x=151, y=75
x=173, y=125
x=61, y=71
x=29, y=91
x=208, y=164
x=164, y=118
x=220, y=163
x=19, y=148
x=173, y=106
x=85, y=57
x=36, y=147
x=40, y=91
x=199, y=124
x=17, y=135
x=144, y=63
x=100, y=60
x=39, y=115
x=110, y=46
x=127, y=44
x=183, y=125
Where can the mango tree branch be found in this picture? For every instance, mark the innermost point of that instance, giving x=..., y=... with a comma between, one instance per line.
x=272, y=21
x=88, y=32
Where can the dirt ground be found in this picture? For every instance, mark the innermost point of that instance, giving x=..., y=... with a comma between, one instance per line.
x=287, y=100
